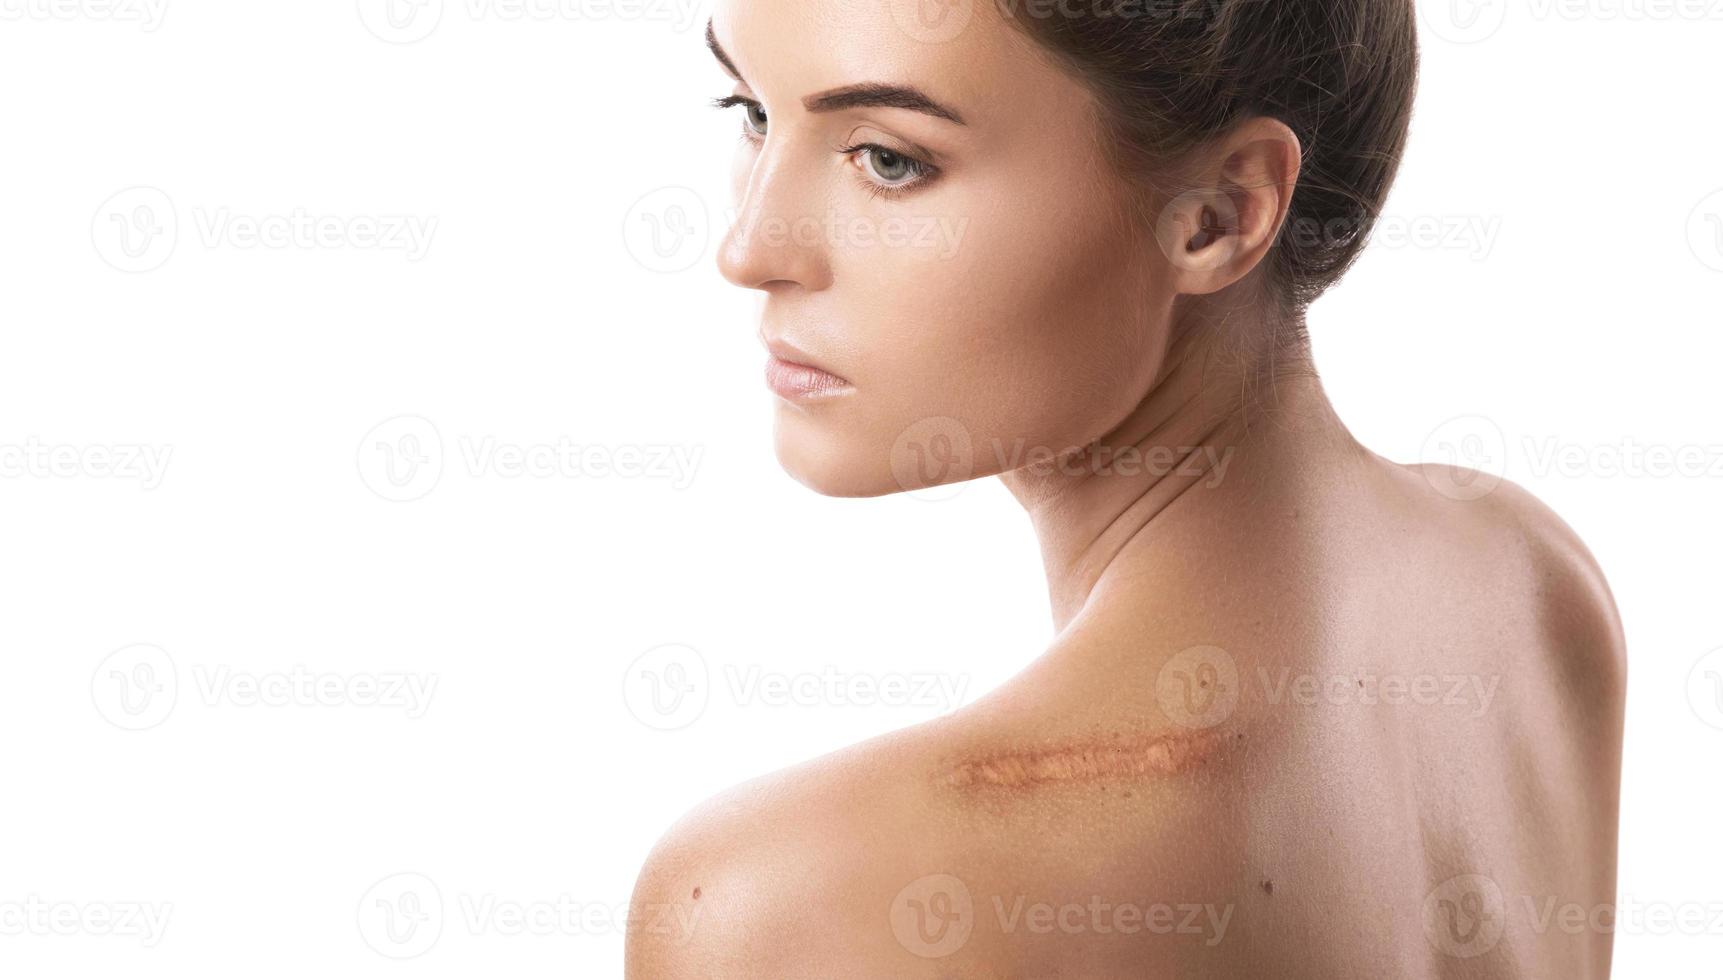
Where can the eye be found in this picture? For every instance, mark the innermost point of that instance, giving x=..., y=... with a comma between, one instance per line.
x=753, y=114
x=887, y=171
x=754, y=118
x=891, y=168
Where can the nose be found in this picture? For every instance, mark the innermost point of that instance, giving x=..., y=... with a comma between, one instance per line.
x=778, y=239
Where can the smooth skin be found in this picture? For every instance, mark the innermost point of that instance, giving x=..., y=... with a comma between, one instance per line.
x=1306, y=712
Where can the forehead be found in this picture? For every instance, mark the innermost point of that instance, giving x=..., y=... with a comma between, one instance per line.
x=960, y=52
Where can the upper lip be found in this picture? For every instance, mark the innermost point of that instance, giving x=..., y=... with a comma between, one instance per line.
x=783, y=350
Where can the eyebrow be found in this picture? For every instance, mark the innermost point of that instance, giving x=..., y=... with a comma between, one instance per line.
x=859, y=96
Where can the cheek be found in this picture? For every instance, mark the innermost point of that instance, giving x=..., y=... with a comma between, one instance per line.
x=1024, y=321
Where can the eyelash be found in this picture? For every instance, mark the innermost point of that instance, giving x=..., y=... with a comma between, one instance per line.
x=924, y=172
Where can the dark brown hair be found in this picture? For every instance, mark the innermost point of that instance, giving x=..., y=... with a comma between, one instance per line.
x=1170, y=75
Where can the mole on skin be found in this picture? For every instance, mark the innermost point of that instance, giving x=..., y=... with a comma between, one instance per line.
x=1129, y=757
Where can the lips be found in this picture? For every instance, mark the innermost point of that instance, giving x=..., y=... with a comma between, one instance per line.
x=794, y=374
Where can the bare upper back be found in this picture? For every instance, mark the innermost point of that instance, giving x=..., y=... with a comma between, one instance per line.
x=1397, y=755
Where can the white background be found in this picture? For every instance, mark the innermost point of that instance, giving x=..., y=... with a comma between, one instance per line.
x=1549, y=271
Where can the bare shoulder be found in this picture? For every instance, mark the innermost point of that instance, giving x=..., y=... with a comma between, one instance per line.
x=1549, y=564
x=785, y=872
x=951, y=849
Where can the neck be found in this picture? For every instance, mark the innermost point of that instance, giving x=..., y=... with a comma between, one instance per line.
x=1208, y=427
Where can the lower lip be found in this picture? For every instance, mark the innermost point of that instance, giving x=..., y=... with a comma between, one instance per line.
x=791, y=380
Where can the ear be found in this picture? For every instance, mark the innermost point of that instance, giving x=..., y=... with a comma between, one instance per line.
x=1215, y=233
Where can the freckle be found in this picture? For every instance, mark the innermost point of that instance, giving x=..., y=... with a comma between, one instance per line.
x=1268, y=886
x=696, y=893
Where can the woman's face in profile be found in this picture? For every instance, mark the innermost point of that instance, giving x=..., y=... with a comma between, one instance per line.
x=936, y=229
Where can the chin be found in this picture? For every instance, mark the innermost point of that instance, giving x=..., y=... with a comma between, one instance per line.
x=826, y=462
x=835, y=459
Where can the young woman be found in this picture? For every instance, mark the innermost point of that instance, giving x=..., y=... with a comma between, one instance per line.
x=1307, y=712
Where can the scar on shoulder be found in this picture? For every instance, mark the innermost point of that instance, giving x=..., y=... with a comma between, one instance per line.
x=1115, y=756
